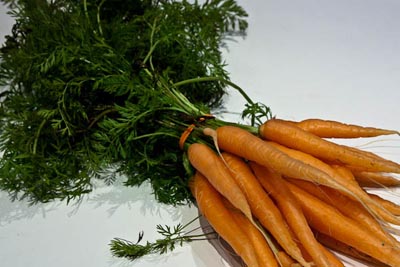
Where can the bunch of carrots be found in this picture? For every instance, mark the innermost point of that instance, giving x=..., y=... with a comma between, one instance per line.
x=290, y=195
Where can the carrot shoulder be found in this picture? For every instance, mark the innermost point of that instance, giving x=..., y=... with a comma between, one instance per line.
x=294, y=137
x=211, y=205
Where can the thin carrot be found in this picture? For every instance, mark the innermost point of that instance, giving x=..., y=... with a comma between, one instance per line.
x=376, y=207
x=367, y=154
x=274, y=184
x=335, y=129
x=263, y=251
x=347, y=206
x=211, y=205
x=246, y=145
x=346, y=181
x=375, y=179
x=262, y=206
x=285, y=260
x=294, y=137
x=347, y=250
x=328, y=220
x=206, y=161
x=387, y=204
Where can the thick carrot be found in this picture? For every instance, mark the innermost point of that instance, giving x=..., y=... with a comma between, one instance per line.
x=387, y=204
x=375, y=179
x=206, y=161
x=274, y=184
x=263, y=251
x=346, y=181
x=241, y=142
x=347, y=250
x=246, y=145
x=335, y=129
x=348, y=207
x=328, y=220
x=211, y=205
x=262, y=207
x=294, y=137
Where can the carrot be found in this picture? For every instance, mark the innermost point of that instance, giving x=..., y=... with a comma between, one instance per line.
x=328, y=220
x=262, y=207
x=346, y=181
x=372, y=156
x=294, y=137
x=387, y=204
x=347, y=250
x=246, y=145
x=335, y=129
x=206, y=161
x=375, y=179
x=263, y=251
x=376, y=207
x=274, y=184
x=347, y=206
x=211, y=205
x=285, y=260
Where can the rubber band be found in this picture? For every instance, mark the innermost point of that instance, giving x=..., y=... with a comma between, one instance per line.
x=185, y=135
x=191, y=127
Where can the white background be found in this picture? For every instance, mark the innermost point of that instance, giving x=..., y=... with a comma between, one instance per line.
x=306, y=58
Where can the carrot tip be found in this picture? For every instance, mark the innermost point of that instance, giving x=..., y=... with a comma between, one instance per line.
x=210, y=132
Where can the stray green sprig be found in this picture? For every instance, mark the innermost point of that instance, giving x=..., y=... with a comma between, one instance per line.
x=172, y=236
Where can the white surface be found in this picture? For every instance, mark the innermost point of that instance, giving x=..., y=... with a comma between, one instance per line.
x=329, y=59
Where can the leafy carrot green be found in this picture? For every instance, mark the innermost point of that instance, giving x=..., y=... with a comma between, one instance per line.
x=84, y=97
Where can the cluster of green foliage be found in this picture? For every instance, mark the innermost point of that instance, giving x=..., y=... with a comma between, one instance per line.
x=89, y=89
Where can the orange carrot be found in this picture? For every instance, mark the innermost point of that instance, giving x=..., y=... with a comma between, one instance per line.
x=211, y=205
x=387, y=204
x=376, y=207
x=206, y=161
x=246, y=145
x=375, y=179
x=285, y=260
x=347, y=250
x=368, y=154
x=346, y=181
x=294, y=137
x=262, y=206
x=328, y=220
x=274, y=184
x=348, y=207
x=335, y=129
x=263, y=251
